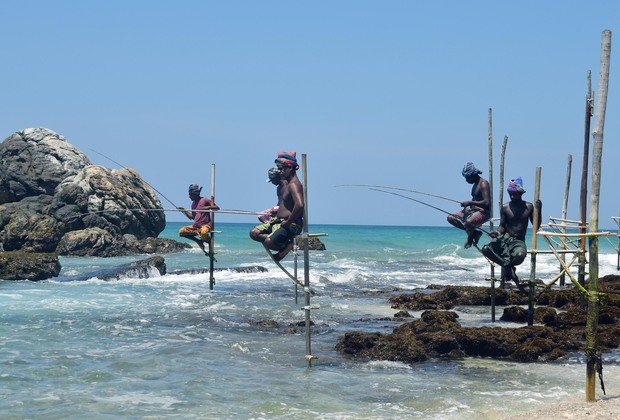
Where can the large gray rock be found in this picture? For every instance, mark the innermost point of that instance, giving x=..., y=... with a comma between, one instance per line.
x=51, y=195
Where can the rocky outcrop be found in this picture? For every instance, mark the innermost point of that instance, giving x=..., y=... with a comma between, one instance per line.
x=439, y=334
x=314, y=244
x=20, y=265
x=52, y=199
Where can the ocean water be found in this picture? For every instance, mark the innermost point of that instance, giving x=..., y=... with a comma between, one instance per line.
x=169, y=347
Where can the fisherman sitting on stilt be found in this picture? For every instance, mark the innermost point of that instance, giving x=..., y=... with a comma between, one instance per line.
x=475, y=211
x=507, y=247
x=199, y=231
x=278, y=233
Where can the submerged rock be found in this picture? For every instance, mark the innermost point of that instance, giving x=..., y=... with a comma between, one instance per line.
x=141, y=269
x=34, y=266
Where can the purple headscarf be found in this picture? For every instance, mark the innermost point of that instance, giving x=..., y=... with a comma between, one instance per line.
x=516, y=185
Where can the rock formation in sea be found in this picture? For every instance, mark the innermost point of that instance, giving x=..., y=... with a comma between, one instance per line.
x=558, y=331
x=54, y=200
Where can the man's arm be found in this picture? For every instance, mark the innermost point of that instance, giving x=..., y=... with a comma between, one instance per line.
x=503, y=220
x=207, y=204
x=186, y=213
x=537, y=207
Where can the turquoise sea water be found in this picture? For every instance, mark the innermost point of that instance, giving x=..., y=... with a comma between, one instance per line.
x=168, y=347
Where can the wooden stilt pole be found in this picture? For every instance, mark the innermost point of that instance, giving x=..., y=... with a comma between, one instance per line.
x=535, y=219
x=212, y=236
x=490, y=142
x=307, y=307
x=501, y=194
x=583, y=199
x=593, y=353
x=564, y=209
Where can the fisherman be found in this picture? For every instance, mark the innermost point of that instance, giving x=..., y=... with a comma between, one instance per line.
x=203, y=223
x=507, y=247
x=278, y=233
x=273, y=176
x=475, y=211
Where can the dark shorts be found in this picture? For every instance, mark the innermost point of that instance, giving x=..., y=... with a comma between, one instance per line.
x=280, y=236
x=505, y=248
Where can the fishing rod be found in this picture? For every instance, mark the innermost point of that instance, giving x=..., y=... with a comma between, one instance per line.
x=254, y=213
x=409, y=198
x=399, y=189
x=422, y=202
x=124, y=167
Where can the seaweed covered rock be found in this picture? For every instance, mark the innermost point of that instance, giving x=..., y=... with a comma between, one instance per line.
x=439, y=334
x=560, y=315
x=20, y=265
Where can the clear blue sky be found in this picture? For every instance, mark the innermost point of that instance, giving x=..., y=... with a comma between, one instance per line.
x=373, y=92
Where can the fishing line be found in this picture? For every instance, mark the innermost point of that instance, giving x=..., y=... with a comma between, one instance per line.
x=410, y=198
x=124, y=167
x=399, y=189
x=422, y=202
x=254, y=213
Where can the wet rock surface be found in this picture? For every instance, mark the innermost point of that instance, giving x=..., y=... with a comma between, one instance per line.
x=559, y=318
x=52, y=199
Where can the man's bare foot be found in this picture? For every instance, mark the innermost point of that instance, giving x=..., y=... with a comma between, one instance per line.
x=512, y=274
x=279, y=256
x=476, y=237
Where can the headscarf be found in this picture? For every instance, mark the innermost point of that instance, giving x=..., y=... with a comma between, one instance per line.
x=273, y=174
x=287, y=158
x=195, y=189
x=470, y=170
x=516, y=185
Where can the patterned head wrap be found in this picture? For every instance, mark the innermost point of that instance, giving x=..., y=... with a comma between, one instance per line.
x=195, y=189
x=287, y=158
x=516, y=185
x=470, y=170
x=273, y=174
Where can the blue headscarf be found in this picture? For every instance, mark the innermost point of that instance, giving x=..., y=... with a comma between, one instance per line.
x=470, y=170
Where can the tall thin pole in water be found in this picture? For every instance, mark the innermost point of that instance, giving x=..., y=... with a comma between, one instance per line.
x=502, y=159
x=535, y=222
x=564, y=210
x=593, y=353
x=307, y=307
x=212, y=236
x=583, y=199
x=490, y=142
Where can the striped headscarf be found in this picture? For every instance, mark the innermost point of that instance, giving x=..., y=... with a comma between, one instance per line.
x=287, y=158
x=470, y=170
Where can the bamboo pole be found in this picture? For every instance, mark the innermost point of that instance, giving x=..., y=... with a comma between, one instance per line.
x=535, y=219
x=501, y=193
x=212, y=236
x=490, y=143
x=593, y=353
x=564, y=209
x=584, y=181
x=307, y=307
